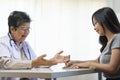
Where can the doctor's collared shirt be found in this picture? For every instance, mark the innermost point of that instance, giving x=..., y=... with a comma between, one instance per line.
x=13, y=56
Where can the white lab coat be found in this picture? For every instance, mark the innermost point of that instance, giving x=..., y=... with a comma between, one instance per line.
x=9, y=48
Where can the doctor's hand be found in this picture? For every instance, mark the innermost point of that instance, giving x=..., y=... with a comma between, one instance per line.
x=60, y=58
x=40, y=61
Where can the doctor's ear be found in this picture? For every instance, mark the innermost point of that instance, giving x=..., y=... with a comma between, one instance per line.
x=12, y=29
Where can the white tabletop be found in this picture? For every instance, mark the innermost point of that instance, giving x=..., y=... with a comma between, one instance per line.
x=43, y=72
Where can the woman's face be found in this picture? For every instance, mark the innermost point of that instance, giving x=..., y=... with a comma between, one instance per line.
x=98, y=28
x=20, y=34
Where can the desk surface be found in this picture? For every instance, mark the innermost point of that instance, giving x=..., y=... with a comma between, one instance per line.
x=52, y=72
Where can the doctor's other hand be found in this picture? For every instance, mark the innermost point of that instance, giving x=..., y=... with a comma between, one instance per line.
x=60, y=58
x=40, y=61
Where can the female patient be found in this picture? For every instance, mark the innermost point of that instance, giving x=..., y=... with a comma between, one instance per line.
x=16, y=53
x=106, y=24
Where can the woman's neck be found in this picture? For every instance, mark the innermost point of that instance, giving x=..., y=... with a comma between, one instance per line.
x=110, y=35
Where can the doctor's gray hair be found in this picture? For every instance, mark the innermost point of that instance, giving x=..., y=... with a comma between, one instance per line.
x=16, y=18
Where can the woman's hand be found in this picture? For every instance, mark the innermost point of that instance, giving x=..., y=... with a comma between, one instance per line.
x=60, y=59
x=79, y=65
x=71, y=62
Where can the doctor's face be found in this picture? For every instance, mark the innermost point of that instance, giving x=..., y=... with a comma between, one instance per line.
x=19, y=34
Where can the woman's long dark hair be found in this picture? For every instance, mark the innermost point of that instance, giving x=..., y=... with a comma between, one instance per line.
x=106, y=17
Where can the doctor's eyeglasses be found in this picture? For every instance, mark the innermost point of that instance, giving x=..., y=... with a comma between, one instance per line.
x=25, y=29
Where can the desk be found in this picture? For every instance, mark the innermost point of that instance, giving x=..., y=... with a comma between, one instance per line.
x=45, y=73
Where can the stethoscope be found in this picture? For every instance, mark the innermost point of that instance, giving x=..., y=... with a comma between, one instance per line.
x=12, y=40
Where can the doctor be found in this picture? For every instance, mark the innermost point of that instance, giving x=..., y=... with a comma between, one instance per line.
x=16, y=53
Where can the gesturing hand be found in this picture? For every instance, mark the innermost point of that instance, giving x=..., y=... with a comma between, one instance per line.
x=60, y=59
x=40, y=61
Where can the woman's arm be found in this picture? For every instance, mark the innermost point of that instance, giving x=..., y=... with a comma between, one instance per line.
x=112, y=67
x=72, y=62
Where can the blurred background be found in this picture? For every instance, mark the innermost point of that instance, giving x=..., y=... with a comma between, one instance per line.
x=60, y=25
